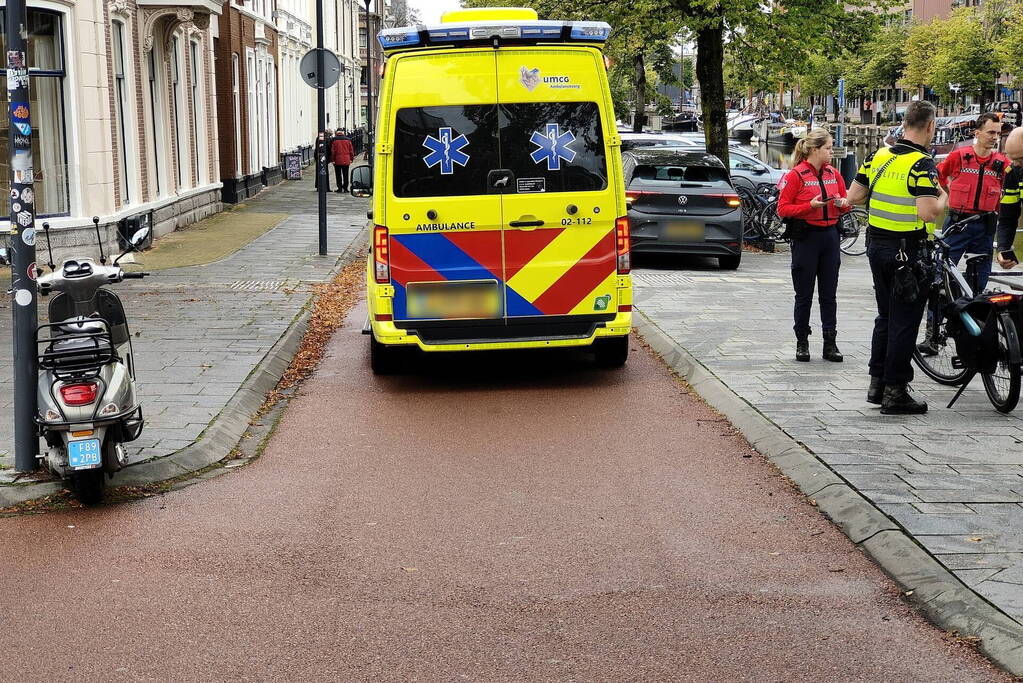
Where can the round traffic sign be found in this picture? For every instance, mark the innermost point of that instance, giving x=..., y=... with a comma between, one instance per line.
x=331, y=68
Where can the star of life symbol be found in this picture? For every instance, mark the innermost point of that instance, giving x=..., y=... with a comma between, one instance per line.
x=445, y=151
x=553, y=145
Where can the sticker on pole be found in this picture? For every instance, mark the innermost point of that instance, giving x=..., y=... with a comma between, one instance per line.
x=553, y=146
x=15, y=58
x=32, y=271
x=29, y=237
x=445, y=151
x=28, y=195
x=23, y=297
x=25, y=219
x=19, y=110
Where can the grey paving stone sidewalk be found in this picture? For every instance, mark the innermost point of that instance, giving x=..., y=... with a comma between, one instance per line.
x=952, y=478
x=199, y=331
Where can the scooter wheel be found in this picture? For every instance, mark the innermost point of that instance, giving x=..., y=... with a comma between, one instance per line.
x=89, y=486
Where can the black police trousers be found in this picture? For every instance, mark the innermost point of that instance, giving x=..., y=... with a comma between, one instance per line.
x=816, y=258
x=897, y=322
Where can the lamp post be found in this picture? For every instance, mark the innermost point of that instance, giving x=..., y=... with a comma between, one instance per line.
x=369, y=89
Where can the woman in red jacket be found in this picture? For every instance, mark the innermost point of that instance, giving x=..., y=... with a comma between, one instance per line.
x=813, y=196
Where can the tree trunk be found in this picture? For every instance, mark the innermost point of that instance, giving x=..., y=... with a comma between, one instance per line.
x=710, y=59
x=639, y=85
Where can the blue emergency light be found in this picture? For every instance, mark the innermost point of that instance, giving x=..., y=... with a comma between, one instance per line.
x=467, y=32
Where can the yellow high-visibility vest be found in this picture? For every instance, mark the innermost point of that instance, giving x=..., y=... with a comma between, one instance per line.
x=892, y=207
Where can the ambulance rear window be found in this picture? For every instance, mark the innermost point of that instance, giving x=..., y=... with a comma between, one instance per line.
x=444, y=151
x=450, y=150
x=560, y=142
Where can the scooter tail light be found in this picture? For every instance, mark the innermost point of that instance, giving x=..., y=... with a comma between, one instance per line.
x=80, y=394
x=381, y=255
x=622, y=244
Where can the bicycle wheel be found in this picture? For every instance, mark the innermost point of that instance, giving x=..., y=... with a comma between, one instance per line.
x=935, y=349
x=853, y=226
x=771, y=224
x=1002, y=385
x=750, y=210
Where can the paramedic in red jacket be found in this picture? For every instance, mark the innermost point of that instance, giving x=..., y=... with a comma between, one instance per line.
x=973, y=177
x=813, y=196
x=342, y=153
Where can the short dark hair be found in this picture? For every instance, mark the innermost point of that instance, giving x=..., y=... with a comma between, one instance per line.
x=919, y=114
x=987, y=116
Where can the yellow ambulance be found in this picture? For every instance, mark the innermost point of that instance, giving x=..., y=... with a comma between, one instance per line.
x=499, y=216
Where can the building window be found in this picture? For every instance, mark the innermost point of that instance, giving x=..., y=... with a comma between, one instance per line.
x=120, y=109
x=236, y=93
x=271, y=104
x=176, y=100
x=198, y=113
x=45, y=56
x=250, y=107
x=155, y=109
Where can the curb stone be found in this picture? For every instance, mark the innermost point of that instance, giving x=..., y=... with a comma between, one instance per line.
x=227, y=428
x=942, y=597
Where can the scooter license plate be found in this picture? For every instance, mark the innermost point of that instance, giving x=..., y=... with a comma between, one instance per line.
x=84, y=455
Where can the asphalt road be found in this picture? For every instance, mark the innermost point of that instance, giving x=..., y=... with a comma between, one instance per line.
x=517, y=517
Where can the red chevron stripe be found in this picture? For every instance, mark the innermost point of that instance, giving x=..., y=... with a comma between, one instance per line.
x=521, y=247
x=406, y=267
x=580, y=279
x=483, y=247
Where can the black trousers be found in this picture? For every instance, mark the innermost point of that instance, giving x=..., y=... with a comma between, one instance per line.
x=341, y=172
x=897, y=322
x=816, y=259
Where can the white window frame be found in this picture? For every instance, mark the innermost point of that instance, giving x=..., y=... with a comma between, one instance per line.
x=122, y=121
x=157, y=152
x=177, y=113
x=250, y=106
x=236, y=94
x=196, y=62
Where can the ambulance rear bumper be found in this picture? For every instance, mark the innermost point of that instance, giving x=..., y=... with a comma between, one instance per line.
x=523, y=333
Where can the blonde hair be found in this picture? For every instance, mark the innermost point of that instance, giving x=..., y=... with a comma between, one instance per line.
x=815, y=139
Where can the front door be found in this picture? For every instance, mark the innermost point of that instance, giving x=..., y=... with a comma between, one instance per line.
x=558, y=204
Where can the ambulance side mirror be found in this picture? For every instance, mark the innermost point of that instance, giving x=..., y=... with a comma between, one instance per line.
x=362, y=182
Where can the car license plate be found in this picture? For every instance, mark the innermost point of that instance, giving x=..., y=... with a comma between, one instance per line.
x=452, y=300
x=684, y=230
x=84, y=455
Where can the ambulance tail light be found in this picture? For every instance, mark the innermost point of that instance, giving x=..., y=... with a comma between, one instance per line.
x=622, y=243
x=381, y=255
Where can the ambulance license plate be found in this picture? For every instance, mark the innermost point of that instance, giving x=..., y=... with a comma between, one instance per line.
x=84, y=455
x=689, y=231
x=453, y=300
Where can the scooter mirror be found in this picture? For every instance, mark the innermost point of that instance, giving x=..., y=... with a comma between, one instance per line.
x=139, y=238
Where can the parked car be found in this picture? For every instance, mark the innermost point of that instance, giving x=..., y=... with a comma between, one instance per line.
x=633, y=140
x=682, y=202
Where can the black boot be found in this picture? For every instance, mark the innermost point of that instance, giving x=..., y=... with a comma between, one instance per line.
x=831, y=351
x=875, y=392
x=929, y=346
x=803, y=349
x=898, y=401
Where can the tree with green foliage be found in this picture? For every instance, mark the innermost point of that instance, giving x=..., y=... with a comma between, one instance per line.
x=964, y=57
x=922, y=43
x=1009, y=47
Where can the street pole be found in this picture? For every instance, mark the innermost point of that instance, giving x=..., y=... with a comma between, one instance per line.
x=23, y=250
x=321, y=125
x=369, y=90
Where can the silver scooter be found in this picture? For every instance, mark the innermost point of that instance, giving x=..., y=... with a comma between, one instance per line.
x=86, y=392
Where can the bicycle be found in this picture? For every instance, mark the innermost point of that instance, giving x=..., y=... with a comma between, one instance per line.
x=966, y=334
x=760, y=220
x=852, y=229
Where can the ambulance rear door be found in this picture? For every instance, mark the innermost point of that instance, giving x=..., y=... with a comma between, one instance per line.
x=444, y=225
x=559, y=199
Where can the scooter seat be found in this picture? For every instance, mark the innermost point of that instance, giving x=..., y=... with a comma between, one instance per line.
x=81, y=325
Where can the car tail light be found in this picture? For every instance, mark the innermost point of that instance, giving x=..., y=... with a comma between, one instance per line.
x=79, y=394
x=381, y=255
x=729, y=199
x=622, y=243
x=633, y=195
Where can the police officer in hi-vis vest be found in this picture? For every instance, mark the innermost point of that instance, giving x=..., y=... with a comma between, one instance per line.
x=900, y=186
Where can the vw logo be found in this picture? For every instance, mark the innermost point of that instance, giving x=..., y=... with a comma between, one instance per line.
x=683, y=200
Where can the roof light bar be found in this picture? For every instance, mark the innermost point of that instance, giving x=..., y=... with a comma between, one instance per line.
x=421, y=36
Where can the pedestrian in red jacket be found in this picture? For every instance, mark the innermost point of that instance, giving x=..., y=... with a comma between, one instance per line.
x=813, y=197
x=342, y=153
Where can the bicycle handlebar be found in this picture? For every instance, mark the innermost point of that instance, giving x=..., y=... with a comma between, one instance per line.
x=959, y=226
